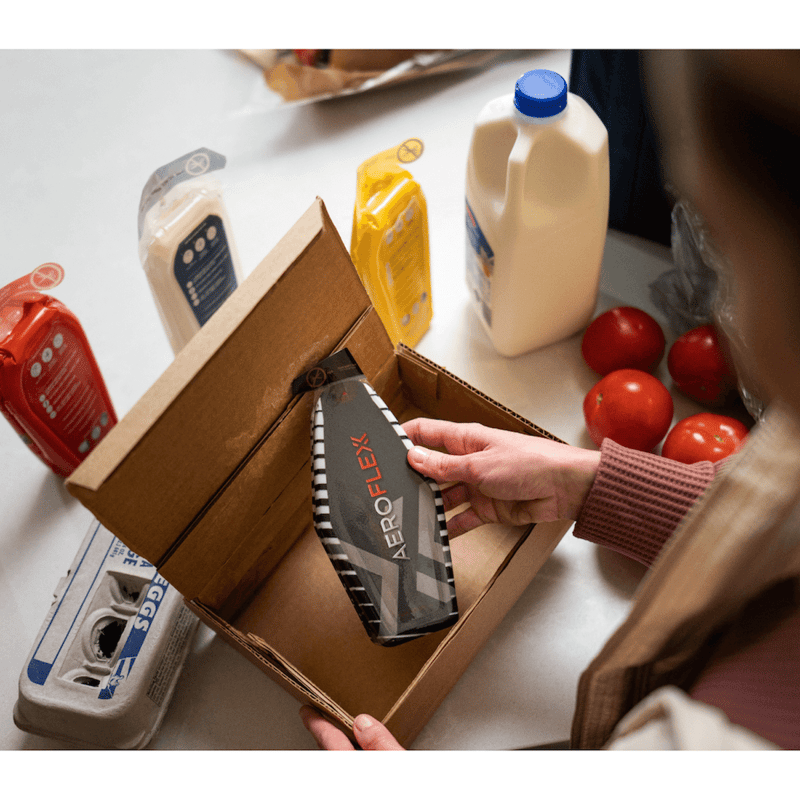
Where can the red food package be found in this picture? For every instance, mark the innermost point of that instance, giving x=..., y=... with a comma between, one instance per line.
x=51, y=389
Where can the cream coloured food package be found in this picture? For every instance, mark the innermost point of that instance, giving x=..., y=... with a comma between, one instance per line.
x=185, y=244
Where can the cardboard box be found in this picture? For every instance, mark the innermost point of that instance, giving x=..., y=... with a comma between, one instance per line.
x=209, y=477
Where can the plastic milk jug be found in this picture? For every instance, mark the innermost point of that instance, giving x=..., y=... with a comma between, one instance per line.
x=537, y=195
x=185, y=244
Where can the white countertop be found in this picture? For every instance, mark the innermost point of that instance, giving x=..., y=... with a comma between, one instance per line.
x=83, y=130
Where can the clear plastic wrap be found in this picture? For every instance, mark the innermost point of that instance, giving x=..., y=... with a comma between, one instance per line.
x=700, y=290
x=185, y=244
x=356, y=71
x=389, y=244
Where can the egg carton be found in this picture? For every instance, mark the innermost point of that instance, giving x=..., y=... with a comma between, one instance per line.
x=104, y=665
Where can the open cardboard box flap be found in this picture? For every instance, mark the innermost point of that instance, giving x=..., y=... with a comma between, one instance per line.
x=209, y=478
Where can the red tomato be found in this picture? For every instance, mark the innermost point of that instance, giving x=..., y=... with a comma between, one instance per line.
x=623, y=338
x=629, y=406
x=704, y=437
x=697, y=364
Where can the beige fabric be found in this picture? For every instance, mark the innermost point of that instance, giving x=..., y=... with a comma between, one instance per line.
x=669, y=719
x=741, y=537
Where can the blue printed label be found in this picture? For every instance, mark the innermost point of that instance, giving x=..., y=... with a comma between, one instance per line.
x=104, y=563
x=83, y=581
x=480, y=266
x=136, y=637
x=204, y=268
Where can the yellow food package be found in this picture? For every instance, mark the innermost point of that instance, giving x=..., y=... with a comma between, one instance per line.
x=389, y=245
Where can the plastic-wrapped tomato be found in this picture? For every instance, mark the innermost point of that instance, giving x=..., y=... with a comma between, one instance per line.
x=704, y=437
x=623, y=338
x=699, y=368
x=629, y=406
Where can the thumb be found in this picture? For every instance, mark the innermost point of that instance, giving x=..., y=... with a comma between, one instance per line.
x=442, y=467
x=372, y=735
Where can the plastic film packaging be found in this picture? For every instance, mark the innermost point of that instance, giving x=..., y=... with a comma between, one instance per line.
x=186, y=245
x=685, y=293
x=382, y=523
x=389, y=244
x=699, y=290
x=350, y=72
x=51, y=389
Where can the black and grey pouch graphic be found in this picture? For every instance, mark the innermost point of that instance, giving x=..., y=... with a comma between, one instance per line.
x=382, y=523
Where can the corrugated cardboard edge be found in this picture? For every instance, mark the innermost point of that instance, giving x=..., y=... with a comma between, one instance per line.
x=258, y=652
x=377, y=374
x=434, y=369
x=480, y=620
x=112, y=449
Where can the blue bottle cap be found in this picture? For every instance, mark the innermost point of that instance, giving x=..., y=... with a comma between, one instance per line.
x=540, y=93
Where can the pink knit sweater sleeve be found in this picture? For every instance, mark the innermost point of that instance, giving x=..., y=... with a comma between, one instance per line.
x=637, y=500
x=634, y=505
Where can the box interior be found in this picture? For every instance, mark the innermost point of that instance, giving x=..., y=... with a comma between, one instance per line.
x=288, y=593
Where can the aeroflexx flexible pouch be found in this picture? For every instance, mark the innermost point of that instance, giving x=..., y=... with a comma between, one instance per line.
x=382, y=523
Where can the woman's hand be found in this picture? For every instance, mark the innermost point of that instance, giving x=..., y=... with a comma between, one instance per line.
x=370, y=734
x=505, y=477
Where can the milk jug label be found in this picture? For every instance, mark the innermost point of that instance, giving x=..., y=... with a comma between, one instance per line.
x=204, y=268
x=480, y=266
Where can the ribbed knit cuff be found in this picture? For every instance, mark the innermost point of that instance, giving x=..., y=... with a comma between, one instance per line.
x=637, y=500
